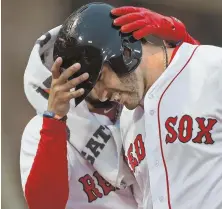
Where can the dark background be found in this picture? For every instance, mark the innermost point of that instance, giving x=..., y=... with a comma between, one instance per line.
x=24, y=21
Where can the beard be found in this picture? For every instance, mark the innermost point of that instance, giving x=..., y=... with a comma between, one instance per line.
x=131, y=83
x=96, y=103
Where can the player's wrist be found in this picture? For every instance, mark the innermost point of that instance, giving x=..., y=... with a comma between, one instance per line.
x=179, y=28
x=53, y=115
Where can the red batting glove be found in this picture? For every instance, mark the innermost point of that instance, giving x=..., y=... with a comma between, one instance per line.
x=143, y=22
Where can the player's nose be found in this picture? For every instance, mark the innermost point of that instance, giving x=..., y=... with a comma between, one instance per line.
x=101, y=93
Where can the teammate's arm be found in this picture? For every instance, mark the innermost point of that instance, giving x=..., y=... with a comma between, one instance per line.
x=143, y=22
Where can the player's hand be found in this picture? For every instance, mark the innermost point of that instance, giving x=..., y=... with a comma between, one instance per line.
x=143, y=22
x=60, y=91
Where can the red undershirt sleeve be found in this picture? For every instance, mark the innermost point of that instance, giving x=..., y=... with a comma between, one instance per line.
x=47, y=183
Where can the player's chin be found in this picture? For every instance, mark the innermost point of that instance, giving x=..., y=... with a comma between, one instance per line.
x=131, y=105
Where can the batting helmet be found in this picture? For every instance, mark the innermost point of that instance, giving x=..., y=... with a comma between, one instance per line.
x=89, y=37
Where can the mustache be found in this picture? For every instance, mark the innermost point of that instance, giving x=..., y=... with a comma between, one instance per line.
x=98, y=104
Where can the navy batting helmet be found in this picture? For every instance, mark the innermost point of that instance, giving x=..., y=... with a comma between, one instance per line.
x=89, y=37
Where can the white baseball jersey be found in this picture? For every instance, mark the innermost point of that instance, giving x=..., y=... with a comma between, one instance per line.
x=87, y=188
x=181, y=128
x=133, y=133
x=93, y=146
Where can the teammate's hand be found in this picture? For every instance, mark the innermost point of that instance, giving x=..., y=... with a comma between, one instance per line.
x=143, y=22
x=60, y=91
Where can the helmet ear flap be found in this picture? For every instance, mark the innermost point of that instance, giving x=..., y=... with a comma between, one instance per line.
x=127, y=52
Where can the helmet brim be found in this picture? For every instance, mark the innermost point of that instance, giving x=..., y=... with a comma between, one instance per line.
x=94, y=68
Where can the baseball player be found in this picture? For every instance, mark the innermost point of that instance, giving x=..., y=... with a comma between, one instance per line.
x=171, y=126
x=64, y=163
x=177, y=119
x=57, y=173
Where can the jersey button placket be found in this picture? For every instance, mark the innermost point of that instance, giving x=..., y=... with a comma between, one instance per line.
x=161, y=198
x=151, y=96
x=152, y=112
x=157, y=163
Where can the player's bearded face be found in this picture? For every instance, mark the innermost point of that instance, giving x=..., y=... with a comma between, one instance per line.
x=127, y=90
